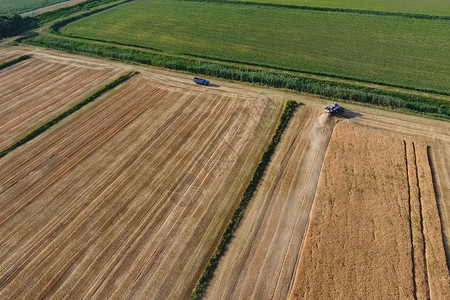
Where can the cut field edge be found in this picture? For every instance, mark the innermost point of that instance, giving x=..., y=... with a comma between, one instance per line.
x=302, y=245
x=397, y=101
x=47, y=125
x=289, y=109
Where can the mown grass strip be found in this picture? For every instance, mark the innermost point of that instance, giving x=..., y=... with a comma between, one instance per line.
x=334, y=9
x=14, y=61
x=67, y=113
x=392, y=100
x=289, y=109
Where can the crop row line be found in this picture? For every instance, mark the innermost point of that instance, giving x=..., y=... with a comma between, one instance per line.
x=288, y=111
x=68, y=112
x=14, y=61
x=392, y=100
x=332, y=9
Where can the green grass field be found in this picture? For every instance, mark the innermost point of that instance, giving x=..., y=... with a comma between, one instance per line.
x=431, y=7
x=393, y=50
x=21, y=6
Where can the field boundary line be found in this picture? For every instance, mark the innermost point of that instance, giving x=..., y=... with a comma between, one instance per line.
x=14, y=61
x=332, y=9
x=203, y=282
x=36, y=132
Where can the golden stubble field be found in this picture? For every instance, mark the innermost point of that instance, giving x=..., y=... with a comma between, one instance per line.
x=129, y=196
x=374, y=227
x=37, y=89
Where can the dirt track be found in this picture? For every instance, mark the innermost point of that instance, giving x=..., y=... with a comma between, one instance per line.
x=36, y=90
x=130, y=195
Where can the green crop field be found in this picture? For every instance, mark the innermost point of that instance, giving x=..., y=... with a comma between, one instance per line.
x=431, y=7
x=393, y=50
x=21, y=6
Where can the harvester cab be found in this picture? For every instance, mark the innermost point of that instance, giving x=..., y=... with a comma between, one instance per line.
x=332, y=108
x=201, y=81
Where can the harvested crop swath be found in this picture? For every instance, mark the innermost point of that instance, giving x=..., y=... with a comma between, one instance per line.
x=130, y=195
x=261, y=259
x=374, y=227
x=36, y=90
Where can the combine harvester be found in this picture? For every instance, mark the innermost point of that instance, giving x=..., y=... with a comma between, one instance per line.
x=332, y=108
x=201, y=81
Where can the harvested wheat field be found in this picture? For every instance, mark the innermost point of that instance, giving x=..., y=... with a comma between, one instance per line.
x=38, y=89
x=128, y=197
x=261, y=259
x=7, y=55
x=374, y=227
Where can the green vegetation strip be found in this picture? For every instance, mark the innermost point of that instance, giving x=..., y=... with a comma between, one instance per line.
x=67, y=113
x=376, y=49
x=392, y=100
x=333, y=9
x=14, y=61
x=202, y=284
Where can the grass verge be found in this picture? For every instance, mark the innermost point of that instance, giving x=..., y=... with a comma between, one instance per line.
x=392, y=100
x=67, y=113
x=14, y=61
x=202, y=284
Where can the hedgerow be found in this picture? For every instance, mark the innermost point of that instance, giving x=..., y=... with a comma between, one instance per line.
x=392, y=100
x=67, y=113
x=202, y=284
x=14, y=61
